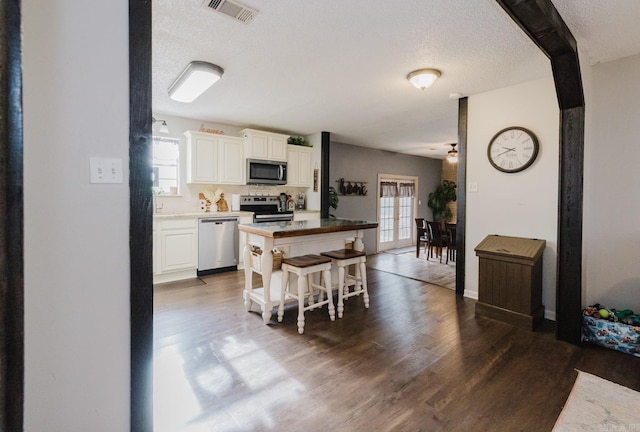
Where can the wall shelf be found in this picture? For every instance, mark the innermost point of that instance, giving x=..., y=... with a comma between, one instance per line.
x=351, y=187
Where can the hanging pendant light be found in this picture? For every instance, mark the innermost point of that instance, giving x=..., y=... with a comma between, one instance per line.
x=452, y=156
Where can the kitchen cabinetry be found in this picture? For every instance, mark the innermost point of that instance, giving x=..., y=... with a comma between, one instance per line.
x=177, y=249
x=298, y=166
x=214, y=159
x=232, y=166
x=265, y=145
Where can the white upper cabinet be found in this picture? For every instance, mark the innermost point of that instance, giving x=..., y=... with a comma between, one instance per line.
x=214, y=159
x=299, y=166
x=202, y=158
x=265, y=145
x=231, y=156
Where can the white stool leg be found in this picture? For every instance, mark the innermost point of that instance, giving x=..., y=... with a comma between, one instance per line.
x=302, y=281
x=326, y=276
x=363, y=276
x=341, y=293
x=310, y=300
x=283, y=290
x=357, y=286
x=320, y=292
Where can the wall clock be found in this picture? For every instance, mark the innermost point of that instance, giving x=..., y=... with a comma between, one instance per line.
x=513, y=149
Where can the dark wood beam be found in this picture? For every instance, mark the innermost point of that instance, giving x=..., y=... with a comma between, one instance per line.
x=461, y=220
x=11, y=219
x=570, y=210
x=141, y=215
x=541, y=21
x=324, y=176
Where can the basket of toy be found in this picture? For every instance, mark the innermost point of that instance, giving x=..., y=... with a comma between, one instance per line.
x=611, y=328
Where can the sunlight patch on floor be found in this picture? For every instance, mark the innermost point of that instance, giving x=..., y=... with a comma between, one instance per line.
x=192, y=404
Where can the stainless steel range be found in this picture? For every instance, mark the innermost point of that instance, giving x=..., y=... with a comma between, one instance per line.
x=264, y=208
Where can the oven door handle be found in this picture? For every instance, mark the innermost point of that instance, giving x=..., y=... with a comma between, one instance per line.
x=273, y=217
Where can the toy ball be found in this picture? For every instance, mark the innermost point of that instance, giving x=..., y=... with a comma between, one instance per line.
x=603, y=313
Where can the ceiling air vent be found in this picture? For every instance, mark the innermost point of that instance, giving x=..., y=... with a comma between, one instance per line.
x=232, y=9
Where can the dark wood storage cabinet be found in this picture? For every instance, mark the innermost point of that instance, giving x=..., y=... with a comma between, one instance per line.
x=510, y=280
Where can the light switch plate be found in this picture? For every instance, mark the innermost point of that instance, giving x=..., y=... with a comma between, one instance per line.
x=472, y=187
x=105, y=170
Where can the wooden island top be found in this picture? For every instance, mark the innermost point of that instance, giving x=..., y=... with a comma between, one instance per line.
x=303, y=228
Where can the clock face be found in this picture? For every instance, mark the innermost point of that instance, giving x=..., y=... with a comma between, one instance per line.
x=513, y=149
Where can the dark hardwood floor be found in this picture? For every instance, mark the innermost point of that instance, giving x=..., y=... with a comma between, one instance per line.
x=417, y=360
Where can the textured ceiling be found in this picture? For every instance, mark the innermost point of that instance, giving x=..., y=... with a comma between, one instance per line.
x=340, y=66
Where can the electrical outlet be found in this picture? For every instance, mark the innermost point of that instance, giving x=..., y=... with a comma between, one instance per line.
x=472, y=187
x=105, y=170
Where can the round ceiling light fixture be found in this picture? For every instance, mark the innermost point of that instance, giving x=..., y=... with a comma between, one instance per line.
x=423, y=78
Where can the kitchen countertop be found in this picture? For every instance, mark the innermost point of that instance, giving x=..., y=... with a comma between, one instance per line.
x=200, y=215
x=308, y=227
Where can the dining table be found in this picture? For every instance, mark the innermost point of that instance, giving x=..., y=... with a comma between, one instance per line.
x=264, y=241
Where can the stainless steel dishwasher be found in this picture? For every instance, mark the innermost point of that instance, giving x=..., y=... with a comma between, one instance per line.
x=217, y=245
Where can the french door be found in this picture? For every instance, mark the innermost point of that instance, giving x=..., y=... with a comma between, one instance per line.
x=396, y=210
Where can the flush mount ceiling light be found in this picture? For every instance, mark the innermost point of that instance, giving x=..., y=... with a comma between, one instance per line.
x=197, y=77
x=423, y=78
x=452, y=156
x=164, y=128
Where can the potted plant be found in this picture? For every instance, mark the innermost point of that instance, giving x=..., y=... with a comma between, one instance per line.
x=333, y=199
x=439, y=200
x=297, y=141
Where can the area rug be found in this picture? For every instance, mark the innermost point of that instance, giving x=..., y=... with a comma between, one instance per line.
x=407, y=265
x=401, y=251
x=596, y=404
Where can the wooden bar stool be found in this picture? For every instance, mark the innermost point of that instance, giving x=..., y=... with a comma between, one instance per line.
x=305, y=267
x=342, y=259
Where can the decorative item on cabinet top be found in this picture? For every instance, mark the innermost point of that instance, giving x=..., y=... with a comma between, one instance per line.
x=351, y=187
x=298, y=140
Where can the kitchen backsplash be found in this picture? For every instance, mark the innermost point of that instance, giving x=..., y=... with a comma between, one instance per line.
x=188, y=200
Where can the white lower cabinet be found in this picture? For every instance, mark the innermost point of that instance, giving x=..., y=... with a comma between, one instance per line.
x=177, y=249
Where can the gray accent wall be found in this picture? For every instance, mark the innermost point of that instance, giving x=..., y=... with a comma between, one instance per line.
x=364, y=164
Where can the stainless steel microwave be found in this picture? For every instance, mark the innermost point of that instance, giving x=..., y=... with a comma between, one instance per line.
x=266, y=172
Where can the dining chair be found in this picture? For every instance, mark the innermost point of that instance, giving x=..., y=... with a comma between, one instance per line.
x=422, y=236
x=437, y=239
x=451, y=249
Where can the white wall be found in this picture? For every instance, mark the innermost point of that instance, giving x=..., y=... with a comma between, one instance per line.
x=76, y=234
x=611, y=230
x=522, y=204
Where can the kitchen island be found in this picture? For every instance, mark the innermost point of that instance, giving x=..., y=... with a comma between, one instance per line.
x=293, y=239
